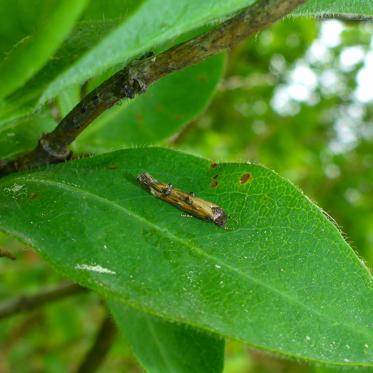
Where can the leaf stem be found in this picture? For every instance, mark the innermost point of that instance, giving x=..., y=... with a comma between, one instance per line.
x=139, y=74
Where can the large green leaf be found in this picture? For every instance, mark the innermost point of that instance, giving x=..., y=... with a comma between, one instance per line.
x=30, y=53
x=323, y=369
x=161, y=111
x=339, y=7
x=281, y=277
x=162, y=346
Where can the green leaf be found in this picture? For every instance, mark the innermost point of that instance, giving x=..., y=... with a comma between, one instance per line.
x=333, y=7
x=32, y=51
x=161, y=111
x=67, y=99
x=280, y=277
x=340, y=370
x=162, y=346
x=22, y=134
x=96, y=23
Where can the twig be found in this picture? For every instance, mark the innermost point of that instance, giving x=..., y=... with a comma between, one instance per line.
x=30, y=302
x=139, y=74
x=103, y=342
x=6, y=254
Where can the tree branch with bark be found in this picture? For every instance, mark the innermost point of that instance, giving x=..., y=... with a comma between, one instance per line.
x=139, y=74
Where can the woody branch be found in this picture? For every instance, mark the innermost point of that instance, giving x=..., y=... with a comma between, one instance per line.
x=139, y=74
x=29, y=302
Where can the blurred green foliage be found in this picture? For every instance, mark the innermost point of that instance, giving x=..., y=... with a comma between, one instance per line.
x=323, y=142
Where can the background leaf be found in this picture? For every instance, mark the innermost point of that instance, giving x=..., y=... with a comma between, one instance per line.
x=31, y=52
x=281, y=277
x=160, y=112
x=23, y=133
x=162, y=346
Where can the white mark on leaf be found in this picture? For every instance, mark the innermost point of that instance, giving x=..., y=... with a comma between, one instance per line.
x=95, y=268
x=308, y=338
x=14, y=188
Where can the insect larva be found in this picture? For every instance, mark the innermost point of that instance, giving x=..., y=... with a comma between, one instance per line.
x=187, y=202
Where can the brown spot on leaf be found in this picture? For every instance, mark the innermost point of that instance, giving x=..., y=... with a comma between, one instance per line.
x=215, y=176
x=139, y=118
x=214, y=165
x=112, y=167
x=30, y=257
x=34, y=195
x=159, y=108
x=214, y=183
x=246, y=177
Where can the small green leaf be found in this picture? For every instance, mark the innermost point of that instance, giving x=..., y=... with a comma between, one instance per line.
x=280, y=277
x=33, y=51
x=333, y=7
x=161, y=111
x=67, y=99
x=22, y=134
x=162, y=346
x=96, y=24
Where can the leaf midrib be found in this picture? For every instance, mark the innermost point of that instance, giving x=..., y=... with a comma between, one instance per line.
x=195, y=249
